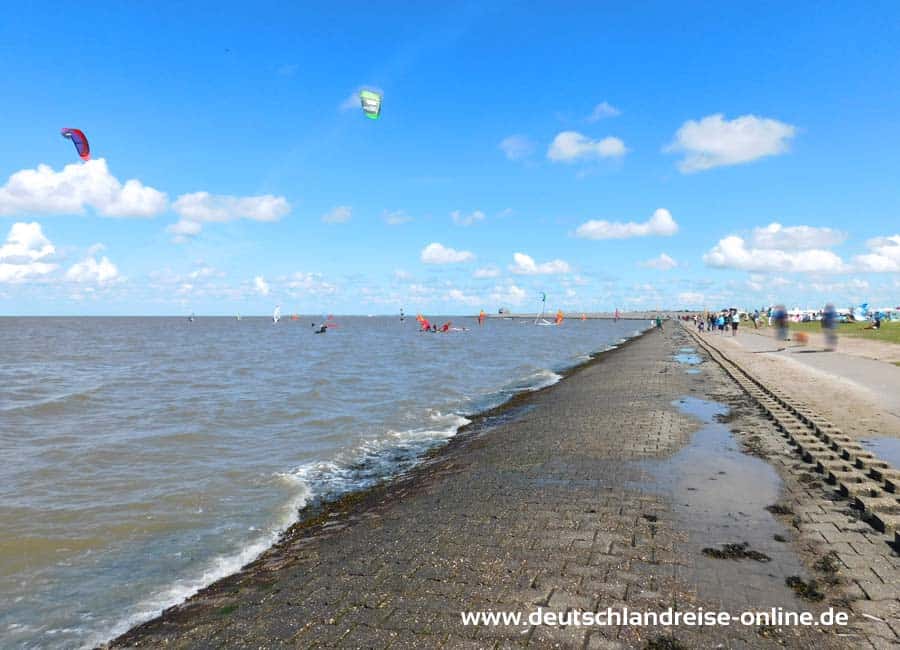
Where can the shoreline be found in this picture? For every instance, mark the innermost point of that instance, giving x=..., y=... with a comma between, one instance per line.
x=313, y=517
x=568, y=502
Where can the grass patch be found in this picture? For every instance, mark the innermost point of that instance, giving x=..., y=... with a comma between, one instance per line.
x=889, y=332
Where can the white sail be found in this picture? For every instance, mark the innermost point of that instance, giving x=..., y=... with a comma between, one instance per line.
x=539, y=319
x=276, y=315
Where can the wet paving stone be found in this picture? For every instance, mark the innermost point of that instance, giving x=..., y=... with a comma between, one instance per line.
x=600, y=494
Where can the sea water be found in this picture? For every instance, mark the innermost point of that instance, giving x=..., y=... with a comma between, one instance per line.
x=143, y=458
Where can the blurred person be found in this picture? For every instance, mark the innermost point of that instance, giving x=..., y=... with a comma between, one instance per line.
x=829, y=327
x=780, y=321
x=735, y=319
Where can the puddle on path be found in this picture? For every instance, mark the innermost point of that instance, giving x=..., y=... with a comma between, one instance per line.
x=719, y=496
x=887, y=449
x=688, y=357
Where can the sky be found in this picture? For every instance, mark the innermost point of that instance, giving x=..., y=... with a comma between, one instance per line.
x=612, y=155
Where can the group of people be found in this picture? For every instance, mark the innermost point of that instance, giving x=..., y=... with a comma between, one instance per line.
x=778, y=318
x=721, y=322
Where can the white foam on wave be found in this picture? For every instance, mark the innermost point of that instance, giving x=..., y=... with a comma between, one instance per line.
x=214, y=569
x=542, y=378
x=377, y=459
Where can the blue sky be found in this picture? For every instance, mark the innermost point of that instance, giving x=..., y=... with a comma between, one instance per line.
x=223, y=138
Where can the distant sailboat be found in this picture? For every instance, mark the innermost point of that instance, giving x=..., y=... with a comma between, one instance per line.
x=191, y=318
x=276, y=315
x=237, y=317
x=540, y=320
x=402, y=315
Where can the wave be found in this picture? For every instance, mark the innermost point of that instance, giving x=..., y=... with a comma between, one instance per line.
x=214, y=569
x=368, y=463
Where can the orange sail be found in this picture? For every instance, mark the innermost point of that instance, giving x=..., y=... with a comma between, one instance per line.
x=559, y=317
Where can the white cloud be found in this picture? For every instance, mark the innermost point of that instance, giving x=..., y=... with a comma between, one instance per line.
x=486, y=272
x=395, y=217
x=508, y=295
x=183, y=230
x=732, y=252
x=884, y=256
x=455, y=295
x=438, y=254
x=660, y=224
x=525, y=265
x=691, y=299
x=340, y=214
x=198, y=208
x=89, y=270
x=400, y=274
x=661, y=263
x=461, y=219
x=516, y=147
x=261, y=286
x=714, y=141
x=203, y=207
x=603, y=110
x=23, y=254
x=792, y=238
x=309, y=283
x=77, y=187
x=569, y=146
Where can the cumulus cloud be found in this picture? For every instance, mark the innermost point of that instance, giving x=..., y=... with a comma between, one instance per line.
x=603, y=110
x=525, y=265
x=793, y=238
x=436, y=253
x=516, y=147
x=309, y=283
x=261, y=286
x=458, y=296
x=691, y=299
x=90, y=270
x=77, y=187
x=198, y=208
x=661, y=224
x=395, y=217
x=570, y=146
x=486, y=272
x=732, y=252
x=203, y=207
x=661, y=263
x=714, y=141
x=182, y=230
x=461, y=219
x=24, y=253
x=340, y=214
x=508, y=295
x=884, y=255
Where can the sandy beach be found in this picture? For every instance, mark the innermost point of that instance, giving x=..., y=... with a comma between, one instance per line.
x=645, y=479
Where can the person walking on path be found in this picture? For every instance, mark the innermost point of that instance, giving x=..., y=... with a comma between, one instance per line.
x=829, y=327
